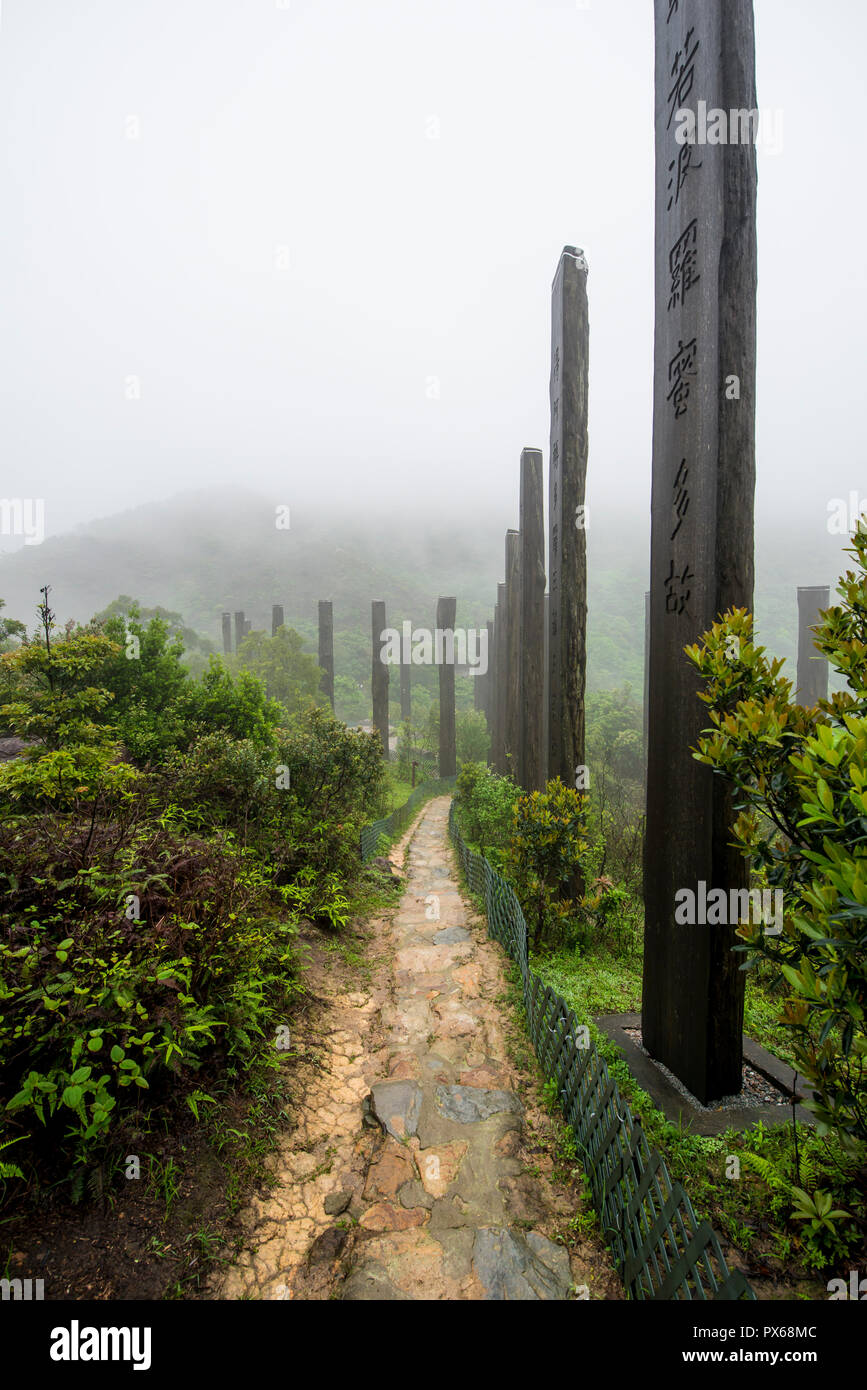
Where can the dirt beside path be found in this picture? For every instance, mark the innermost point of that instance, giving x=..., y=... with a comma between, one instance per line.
x=423, y=1165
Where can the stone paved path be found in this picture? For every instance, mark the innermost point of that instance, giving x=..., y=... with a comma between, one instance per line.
x=414, y=1128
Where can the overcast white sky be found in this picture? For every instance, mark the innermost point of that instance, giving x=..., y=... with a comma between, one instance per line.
x=420, y=165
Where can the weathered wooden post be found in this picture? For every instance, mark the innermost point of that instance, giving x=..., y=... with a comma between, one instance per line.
x=532, y=521
x=489, y=678
x=812, y=665
x=546, y=690
x=239, y=629
x=227, y=633
x=405, y=689
x=446, y=611
x=512, y=735
x=379, y=676
x=276, y=618
x=248, y=625
x=567, y=538
x=702, y=520
x=326, y=649
x=502, y=668
x=646, y=673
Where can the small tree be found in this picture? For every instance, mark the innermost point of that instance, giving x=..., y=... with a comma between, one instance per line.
x=60, y=702
x=472, y=737
x=545, y=850
x=800, y=778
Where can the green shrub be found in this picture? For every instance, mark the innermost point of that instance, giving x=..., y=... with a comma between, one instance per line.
x=546, y=847
x=800, y=779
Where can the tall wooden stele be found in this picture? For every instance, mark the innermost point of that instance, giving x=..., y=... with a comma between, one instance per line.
x=567, y=536
x=326, y=648
x=645, y=725
x=702, y=524
x=276, y=618
x=489, y=677
x=405, y=690
x=446, y=611
x=812, y=665
x=240, y=628
x=500, y=677
x=512, y=729
x=546, y=690
x=532, y=770
x=227, y=633
x=379, y=676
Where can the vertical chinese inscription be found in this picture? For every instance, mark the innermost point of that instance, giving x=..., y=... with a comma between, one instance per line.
x=701, y=545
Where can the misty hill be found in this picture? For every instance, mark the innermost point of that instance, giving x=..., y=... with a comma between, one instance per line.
x=202, y=553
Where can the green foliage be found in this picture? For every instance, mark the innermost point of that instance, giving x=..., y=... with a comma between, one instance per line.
x=486, y=806
x=98, y=1005
x=800, y=785
x=280, y=663
x=473, y=742
x=60, y=703
x=615, y=818
x=9, y=628
x=58, y=700
x=546, y=847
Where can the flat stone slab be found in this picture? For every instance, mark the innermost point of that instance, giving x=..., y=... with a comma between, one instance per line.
x=450, y=935
x=397, y=1106
x=466, y=1104
x=515, y=1267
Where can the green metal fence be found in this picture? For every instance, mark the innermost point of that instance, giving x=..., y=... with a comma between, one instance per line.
x=662, y=1250
x=400, y=819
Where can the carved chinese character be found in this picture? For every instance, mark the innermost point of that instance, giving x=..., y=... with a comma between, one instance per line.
x=673, y=7
x=682, y=261
x=683, y=72
x=556, y=369
x=555, y=411
x=681, y=496
x=680, y=369
x=683, y=164
x=677, y=590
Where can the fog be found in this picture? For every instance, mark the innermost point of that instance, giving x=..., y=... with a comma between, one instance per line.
x=308, y=247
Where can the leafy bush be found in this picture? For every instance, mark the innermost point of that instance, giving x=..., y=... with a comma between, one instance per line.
x=546, y=847
x=486, y=806
x=800, y=779
x=473, y=742
x=104, y=996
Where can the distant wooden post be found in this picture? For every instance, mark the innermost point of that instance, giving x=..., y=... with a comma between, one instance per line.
x=489, y=677
x=567, y=540
x=239, y=629
x=405, y=689
x=446, y=611
x=248, y=625
x=227, y=633
x=812, y=665
x=502, y=668
x=513, y=659
x=379, y=676
x=276, y=618
x=326, y=649
x=495, y=685
x=532, y=534
x=701, y=528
